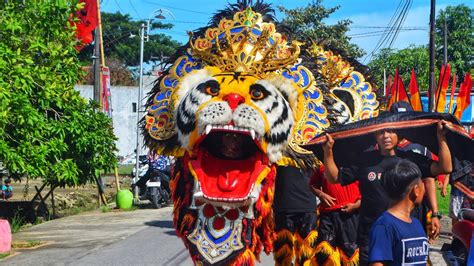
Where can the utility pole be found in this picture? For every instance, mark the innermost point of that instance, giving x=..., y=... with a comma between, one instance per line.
x=445, y=30
x=96, y=66
x=431, y=89
x=139, y=107
x=97, y=98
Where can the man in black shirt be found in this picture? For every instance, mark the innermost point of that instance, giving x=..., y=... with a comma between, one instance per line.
x=294, y=208
x=429, y=201
x=368, y=171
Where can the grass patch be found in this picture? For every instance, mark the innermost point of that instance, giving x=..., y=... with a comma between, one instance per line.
x=16, y=222
x=4, y=255
x=443, y=203
x=105, y=208
x=27, y=244
x=123, y=169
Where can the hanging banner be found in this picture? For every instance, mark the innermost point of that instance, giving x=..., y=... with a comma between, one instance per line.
x=106, y=95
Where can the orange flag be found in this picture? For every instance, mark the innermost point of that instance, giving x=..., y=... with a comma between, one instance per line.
x=415, y=98
x=398, y=91
x=451, y=98
x=443, y=83
x=464, y=96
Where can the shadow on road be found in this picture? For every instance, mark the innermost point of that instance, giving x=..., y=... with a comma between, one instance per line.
x=163, y=224
x=145, y=204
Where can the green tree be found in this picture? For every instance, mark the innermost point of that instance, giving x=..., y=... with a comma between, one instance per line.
x=460, y=38
x=413, y=57
x=122, y=40
x=46, y=129
x=308, y=24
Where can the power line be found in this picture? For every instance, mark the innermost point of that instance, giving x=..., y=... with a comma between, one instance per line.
x=172, y=32
x=384, y=37
x=376, y=34
x=177, y=8
x=390, y=26
x=133, y=7
x=116, y=3
x=394, y=27
x=176, y=21
x=379, y=33
x=386, y=27
x=119, y=38
x=410, y=2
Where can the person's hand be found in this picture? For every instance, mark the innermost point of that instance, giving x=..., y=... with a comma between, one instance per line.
x=444, y=190
x=435, y=229
x=327, y=199
x=327, y=146
x=441, y=129
x=350, y=207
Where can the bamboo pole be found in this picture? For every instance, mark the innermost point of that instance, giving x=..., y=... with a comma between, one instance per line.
x=117, y=183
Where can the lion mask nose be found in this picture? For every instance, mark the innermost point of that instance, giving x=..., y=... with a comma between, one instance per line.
x=234, y=100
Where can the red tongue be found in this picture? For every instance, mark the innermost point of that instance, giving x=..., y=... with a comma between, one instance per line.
x=227, y=179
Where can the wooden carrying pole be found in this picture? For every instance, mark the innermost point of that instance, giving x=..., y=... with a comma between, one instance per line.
x=102, y=57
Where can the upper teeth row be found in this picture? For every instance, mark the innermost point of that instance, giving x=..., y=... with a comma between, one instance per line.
x=230, y=127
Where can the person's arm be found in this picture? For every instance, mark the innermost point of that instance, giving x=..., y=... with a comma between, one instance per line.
x=325, y=198
x=444, y=164
x=331, y=171
x=444, y=191
x=351, y=207
x=430, y=187
x=316, y=186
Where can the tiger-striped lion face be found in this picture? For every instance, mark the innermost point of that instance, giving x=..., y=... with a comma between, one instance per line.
x=233, y=125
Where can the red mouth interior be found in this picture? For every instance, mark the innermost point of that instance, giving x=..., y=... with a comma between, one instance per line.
x=223, y=178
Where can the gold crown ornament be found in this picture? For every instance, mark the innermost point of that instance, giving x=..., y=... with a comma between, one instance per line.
x=245, y=44
x=342, y=78
x=332, y=67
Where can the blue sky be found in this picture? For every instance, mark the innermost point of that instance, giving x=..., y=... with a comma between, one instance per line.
x=366, y=16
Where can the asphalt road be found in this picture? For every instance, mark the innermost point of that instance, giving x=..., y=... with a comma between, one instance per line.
x=141, y=237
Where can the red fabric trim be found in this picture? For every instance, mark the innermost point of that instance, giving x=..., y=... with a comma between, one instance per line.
x=343, y=194
x=469, y=193
x=393, y=125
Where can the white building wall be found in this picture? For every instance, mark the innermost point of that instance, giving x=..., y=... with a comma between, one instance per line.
x=124, y=119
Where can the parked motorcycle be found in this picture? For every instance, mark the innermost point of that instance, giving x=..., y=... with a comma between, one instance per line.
x=142, y=167
x=157, y=189
x=152, y=184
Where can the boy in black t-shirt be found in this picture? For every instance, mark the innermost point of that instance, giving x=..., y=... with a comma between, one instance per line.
x=396, y=238
x=369, y=169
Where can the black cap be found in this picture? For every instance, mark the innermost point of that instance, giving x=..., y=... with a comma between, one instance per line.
x=400, y=107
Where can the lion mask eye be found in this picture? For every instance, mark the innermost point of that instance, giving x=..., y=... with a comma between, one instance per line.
x=258, y=92
x=210, y=87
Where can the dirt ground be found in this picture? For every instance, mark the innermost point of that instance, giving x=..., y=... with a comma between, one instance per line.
x=70, y=200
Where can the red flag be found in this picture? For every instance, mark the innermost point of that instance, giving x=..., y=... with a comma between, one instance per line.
x=88, y=21
x=464, y=96
x=451, y=98
x=443, y=83
x=415, y=98
x=398, y=91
